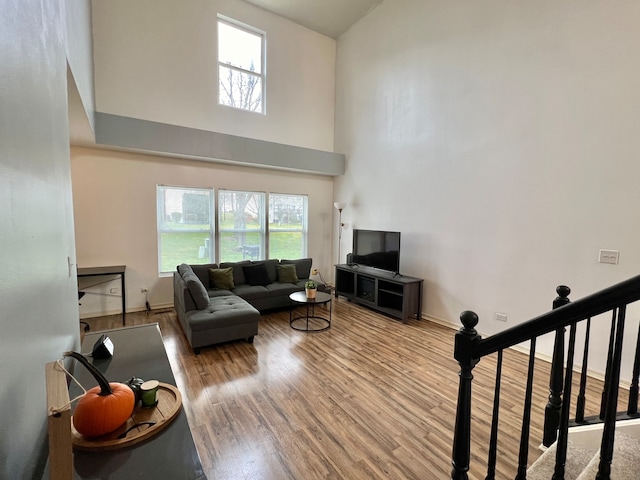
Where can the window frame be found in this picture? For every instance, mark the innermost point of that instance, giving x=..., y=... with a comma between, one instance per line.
x=262, y=229
x=216, y=232
x=304, y=229
x=160, y=230
x=263, y=61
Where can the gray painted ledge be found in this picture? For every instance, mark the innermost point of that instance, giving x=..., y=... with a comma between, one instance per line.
x=126, y=133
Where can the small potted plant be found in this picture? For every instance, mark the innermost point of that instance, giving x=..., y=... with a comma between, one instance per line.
x=310, y=288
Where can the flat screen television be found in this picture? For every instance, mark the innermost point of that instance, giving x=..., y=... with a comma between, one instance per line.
x=377, y=249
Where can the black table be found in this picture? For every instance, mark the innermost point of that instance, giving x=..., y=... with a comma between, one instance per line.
x=312, y=320
x=106, y=271
x=138, y=351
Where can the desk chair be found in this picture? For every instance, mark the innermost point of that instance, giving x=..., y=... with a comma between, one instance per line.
x=86, y=325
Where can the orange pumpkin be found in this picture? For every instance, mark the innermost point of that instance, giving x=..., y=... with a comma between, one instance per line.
x=103, y=408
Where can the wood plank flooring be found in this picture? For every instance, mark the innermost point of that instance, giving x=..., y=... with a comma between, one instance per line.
x=370, y=398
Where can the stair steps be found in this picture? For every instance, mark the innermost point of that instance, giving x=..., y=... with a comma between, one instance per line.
x=583, y=454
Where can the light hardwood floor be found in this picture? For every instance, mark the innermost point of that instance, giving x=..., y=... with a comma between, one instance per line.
x=371, y=398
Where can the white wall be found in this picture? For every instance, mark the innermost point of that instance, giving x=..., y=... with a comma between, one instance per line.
x=38, y=292
x=79, y=48
x=501, y=138
x=157, y=60
x=114, y=197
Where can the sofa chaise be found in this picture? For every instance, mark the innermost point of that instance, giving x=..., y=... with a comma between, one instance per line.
x=221, y=303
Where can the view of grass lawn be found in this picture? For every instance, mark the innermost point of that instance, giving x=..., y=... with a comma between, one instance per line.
x=189, y=246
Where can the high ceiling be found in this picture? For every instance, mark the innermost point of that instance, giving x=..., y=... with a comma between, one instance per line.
x=329, y=17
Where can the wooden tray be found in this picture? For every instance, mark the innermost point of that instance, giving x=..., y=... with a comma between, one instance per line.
x=169, y=404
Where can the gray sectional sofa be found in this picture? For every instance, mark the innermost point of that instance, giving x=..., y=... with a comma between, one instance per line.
x=220, y=303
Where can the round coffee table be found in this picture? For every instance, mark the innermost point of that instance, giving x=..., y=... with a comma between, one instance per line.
x=311, y=320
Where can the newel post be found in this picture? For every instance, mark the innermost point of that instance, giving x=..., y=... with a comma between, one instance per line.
x=554, y=406
x=463, y=353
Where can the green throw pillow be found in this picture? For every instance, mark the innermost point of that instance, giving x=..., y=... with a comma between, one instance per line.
x=287, y=274
x=221, y=278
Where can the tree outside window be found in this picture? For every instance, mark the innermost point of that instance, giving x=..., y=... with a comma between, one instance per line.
x=250, y=226
x=241, y=225
x=240, y=66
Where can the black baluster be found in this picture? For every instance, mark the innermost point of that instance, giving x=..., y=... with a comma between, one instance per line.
x=607, y=371
x=523, y=456
x=463, y=353
x=493, y=442
x=552, y=410
x=609, y=432
x=563, y=437
x=632, y=406
x=580, y=404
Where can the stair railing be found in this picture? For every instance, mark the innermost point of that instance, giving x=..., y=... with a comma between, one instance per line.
x=470, y=348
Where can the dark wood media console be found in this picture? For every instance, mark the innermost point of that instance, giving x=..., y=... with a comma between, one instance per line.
x=397, y=295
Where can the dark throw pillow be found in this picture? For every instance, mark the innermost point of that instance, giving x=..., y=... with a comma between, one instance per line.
x=256, y=274
x=287, y=273
x=221, y=278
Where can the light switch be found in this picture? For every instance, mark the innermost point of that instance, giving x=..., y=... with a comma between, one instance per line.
x=608, y=256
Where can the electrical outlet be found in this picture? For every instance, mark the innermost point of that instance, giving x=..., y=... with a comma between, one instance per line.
x=113, y=290
x=608, y=256
x=501, y=317
x=144, y=290
x=314, y=271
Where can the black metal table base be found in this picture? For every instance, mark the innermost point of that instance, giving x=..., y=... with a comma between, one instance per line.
x=311, y=320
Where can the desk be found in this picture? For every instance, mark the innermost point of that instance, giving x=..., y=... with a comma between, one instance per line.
x=104, y=271
x=138, y=351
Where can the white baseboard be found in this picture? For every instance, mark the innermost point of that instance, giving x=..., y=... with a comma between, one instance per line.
x=160, y=306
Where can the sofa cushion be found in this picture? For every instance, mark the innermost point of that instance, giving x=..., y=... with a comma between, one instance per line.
x=218, y=292
x=221, y=278
x=249, y=292
x=287, y=273
x=238, y=274
x=223, y=312
x=202, y=272
x=197, y=290
x=256, y=274
x=279, y=289
x=271, y=266
x=303, y=266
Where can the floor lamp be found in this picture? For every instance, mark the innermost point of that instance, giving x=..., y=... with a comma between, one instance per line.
x=340, y=206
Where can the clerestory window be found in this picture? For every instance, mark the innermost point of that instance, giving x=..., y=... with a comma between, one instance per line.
x=241, y=54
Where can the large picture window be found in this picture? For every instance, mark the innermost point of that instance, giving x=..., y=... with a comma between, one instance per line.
x=240, y=66
x=249, y=226
x=185, y=226
x=287, y=226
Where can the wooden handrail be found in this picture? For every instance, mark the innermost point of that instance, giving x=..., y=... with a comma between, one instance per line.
x=606, y=300
x=470, y=347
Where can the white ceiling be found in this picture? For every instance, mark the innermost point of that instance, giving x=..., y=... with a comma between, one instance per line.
x=329, y=17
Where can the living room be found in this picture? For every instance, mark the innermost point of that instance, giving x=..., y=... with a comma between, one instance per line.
x=499, y=139
x=527, y=204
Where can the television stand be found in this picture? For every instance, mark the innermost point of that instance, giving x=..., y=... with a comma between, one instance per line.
x=388, y=292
